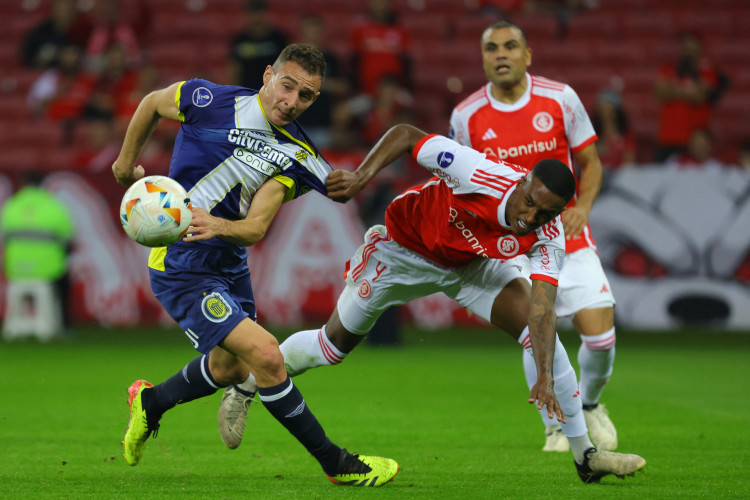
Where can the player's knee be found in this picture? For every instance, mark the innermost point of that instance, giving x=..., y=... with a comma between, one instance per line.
x=267, y=360
x=228, y=372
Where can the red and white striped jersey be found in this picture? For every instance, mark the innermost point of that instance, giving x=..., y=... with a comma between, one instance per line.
x=459, y=215
x=548, y=121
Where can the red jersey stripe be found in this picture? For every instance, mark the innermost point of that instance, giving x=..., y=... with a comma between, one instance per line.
x=497, y=182
x=547, y=83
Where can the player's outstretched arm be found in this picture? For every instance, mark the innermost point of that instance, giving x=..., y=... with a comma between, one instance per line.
x=248, y=231
x=542, y=326
x=343, y=185
x=156, y=105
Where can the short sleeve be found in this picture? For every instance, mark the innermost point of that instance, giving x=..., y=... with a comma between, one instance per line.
x=578, y=126
x=458, y=129
x=548, y=254
x=197, y=99
x=447, y=159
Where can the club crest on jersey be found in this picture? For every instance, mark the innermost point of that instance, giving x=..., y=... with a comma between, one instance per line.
x=215, y=308
x=445, y=159
x=301, y=155
x=202, y=97
x=365, y=289
x=543, y=121
x=508, y=245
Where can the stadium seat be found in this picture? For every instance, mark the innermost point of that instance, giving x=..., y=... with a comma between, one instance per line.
x=428, y=28
x=649, y=23
x=621, y=55
x=562, y=52
x=590, y=82
x=728, y=52
x=593, y=26
x=709, y=23
x=536, y=26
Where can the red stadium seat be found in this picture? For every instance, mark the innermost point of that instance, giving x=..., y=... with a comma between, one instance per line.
x=728, y=52
x=648, y=23
x=709, y=23
x=620, y=55
x=562, y=52
x=594, y=26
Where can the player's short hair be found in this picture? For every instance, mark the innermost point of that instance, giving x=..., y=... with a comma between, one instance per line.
x=506, y=24
x=307, y=56
x=557, y=177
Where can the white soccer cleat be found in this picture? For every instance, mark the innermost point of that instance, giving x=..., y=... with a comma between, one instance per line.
x=601, y=428
x=598, y=463
x=233, y=415
x=556, y=440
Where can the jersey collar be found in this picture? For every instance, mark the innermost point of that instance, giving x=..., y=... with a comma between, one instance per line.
x=501, y=207
x=520, y=103
x=283, y=131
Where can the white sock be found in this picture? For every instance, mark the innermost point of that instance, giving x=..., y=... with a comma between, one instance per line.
x=302, y=351
x=579, y=445
x=566, y=387
x=596, y=357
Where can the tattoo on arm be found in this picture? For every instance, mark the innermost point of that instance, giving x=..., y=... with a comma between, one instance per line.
x=543, y=324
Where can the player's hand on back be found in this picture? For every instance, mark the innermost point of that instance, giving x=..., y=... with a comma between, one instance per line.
x=342, y=185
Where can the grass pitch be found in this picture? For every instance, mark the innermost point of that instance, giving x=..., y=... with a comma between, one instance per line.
x=449, y=406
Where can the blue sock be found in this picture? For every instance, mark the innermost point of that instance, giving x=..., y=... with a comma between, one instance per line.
x=287, y=405
x=192, y=382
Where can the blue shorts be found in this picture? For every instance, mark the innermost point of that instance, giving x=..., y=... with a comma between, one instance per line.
x=206, y=290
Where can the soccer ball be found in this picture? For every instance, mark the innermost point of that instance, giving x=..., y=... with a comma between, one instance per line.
x=155, y=211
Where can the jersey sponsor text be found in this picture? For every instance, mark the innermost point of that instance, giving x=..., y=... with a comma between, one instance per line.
x=243, y=139
x=468, y=234
x=523, y=149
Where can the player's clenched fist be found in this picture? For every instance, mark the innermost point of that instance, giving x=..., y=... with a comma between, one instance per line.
x=342, y=185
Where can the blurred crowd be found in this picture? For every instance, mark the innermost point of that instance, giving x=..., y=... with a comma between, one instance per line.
x=94, y=66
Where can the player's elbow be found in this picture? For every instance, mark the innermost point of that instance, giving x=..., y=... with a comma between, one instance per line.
x=254, y=236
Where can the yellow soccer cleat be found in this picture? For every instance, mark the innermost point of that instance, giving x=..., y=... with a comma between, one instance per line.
x=360, y=470
x=138, y=429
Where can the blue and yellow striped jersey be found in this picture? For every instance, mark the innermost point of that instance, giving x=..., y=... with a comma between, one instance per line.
x=226, y=149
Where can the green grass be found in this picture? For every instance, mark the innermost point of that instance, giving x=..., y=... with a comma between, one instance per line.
x=449, y=406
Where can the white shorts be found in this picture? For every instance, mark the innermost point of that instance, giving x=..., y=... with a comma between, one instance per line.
x=582, y=284
x=382, y=274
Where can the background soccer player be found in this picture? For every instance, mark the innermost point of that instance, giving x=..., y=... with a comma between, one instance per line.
x=523, y=118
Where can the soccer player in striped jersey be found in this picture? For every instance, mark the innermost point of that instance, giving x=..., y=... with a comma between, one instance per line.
x=460, y=233
x=239, y=154
x=523, y=118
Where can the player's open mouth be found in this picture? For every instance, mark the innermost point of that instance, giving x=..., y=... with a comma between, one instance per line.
x=522, y=225
x=502, y=68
